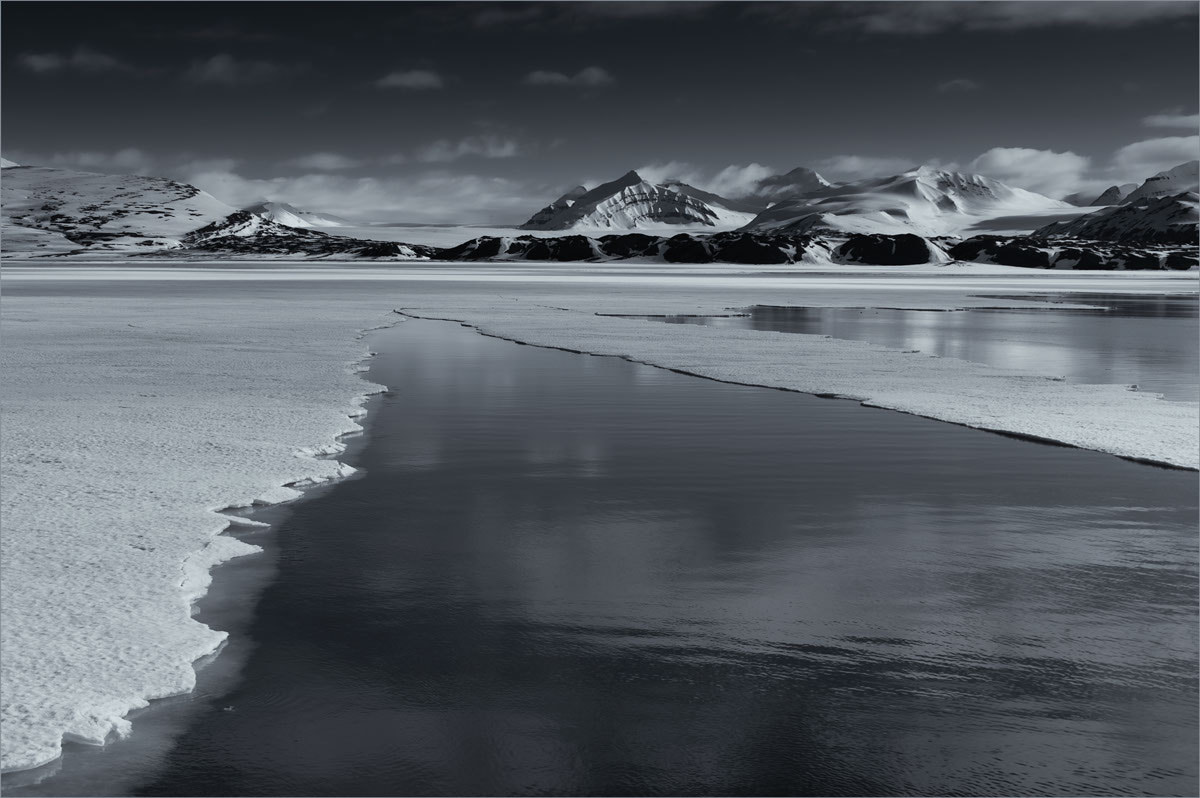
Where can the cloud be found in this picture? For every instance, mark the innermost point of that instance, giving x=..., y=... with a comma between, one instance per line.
x=848, y=168
x=958, y=85
x=324, y=161
x=82, y=59
x=1054, y=174
x=957, y=15
x=1176, y=119
x=591, y=76
x=415, y=79
x=225, y=69
x=436, y=196
x=732, y=181
x=486, y=146
x=1141, y=159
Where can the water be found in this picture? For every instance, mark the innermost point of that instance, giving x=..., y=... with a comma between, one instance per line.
x=577, y=575
x=1149, y=341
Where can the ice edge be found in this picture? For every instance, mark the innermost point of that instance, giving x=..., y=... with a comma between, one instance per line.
x=197, y=567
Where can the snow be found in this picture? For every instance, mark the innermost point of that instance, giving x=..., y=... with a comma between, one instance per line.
x=632, y=203
x=1178, y=179
x=140, y=402
x=924, y=201
x=127, y=425
x=291, y=216
x=123, y=210
x=1163, y=218
x=5, y=163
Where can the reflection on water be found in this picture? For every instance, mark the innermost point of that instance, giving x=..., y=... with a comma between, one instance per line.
x=576, y=575
x=1149, y=341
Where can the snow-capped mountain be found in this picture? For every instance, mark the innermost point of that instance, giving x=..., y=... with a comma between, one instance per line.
x=630, y=202
x=925, y=201
x=292, y=216
x=1185, y=177
x=5, y=163
x=1150, y=220
x=66, y=209
x=796, y=183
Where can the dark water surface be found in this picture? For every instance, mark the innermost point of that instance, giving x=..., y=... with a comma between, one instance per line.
x=577, y=575
x=1152, y=341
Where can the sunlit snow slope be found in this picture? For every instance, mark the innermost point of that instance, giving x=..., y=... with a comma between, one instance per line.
x=122, y=213
x=925, y=201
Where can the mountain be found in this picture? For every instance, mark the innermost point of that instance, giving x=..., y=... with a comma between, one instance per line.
x=6, y=164
x=796, y=183
x=1185, y=177
x=1150, y=220
x=630, y=202
x=1113, y=195
x=63, y=209
x=291, y=216
x=244, y=233
x=925, y=201
x=64, y=212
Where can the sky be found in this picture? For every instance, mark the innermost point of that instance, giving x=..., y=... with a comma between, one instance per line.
x=484, y=112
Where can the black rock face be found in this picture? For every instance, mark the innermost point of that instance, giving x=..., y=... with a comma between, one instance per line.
x=972, y=248
x=747, y=248
x=1013, y=254
x=884, y=250
x=1139, y=261
x=632, y=245
x=1181, y=261
x=1084, y=260
x=685, y=249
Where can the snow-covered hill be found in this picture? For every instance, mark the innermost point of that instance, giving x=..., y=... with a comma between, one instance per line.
x=925, y=201
x=1177, y=180
x=292, y=216
x=630, y=203
x=120, y=213
x=1171, y=219
x=5, y=163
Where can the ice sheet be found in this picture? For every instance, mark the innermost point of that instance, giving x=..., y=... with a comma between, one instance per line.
x=127, y=425
x=1105, y=418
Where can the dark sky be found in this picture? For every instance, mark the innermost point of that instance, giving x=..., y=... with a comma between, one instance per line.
x=480, y=112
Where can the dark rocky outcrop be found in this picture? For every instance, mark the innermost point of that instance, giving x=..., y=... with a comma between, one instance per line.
x=884, y=250
x=1082, y=260
x=1035, y=252
x=686, y=249
x=747, y=248
x=1182, y=261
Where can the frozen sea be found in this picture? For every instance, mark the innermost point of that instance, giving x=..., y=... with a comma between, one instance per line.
x=575, y=574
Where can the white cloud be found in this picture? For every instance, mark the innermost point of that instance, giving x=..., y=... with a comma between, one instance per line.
x=435, y=197
x=415, y=79
x=1054, y=174
x=225, y=69
x=1188, y=121
x=81, y=60
x=591, y=76
x=324, y=161
x=732, y=181
x=848, y=168
x=1141, y=159
x=486, y=146
x=958, y=85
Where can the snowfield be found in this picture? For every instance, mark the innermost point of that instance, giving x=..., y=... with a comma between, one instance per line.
x=127, y=426
x=140, y=401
